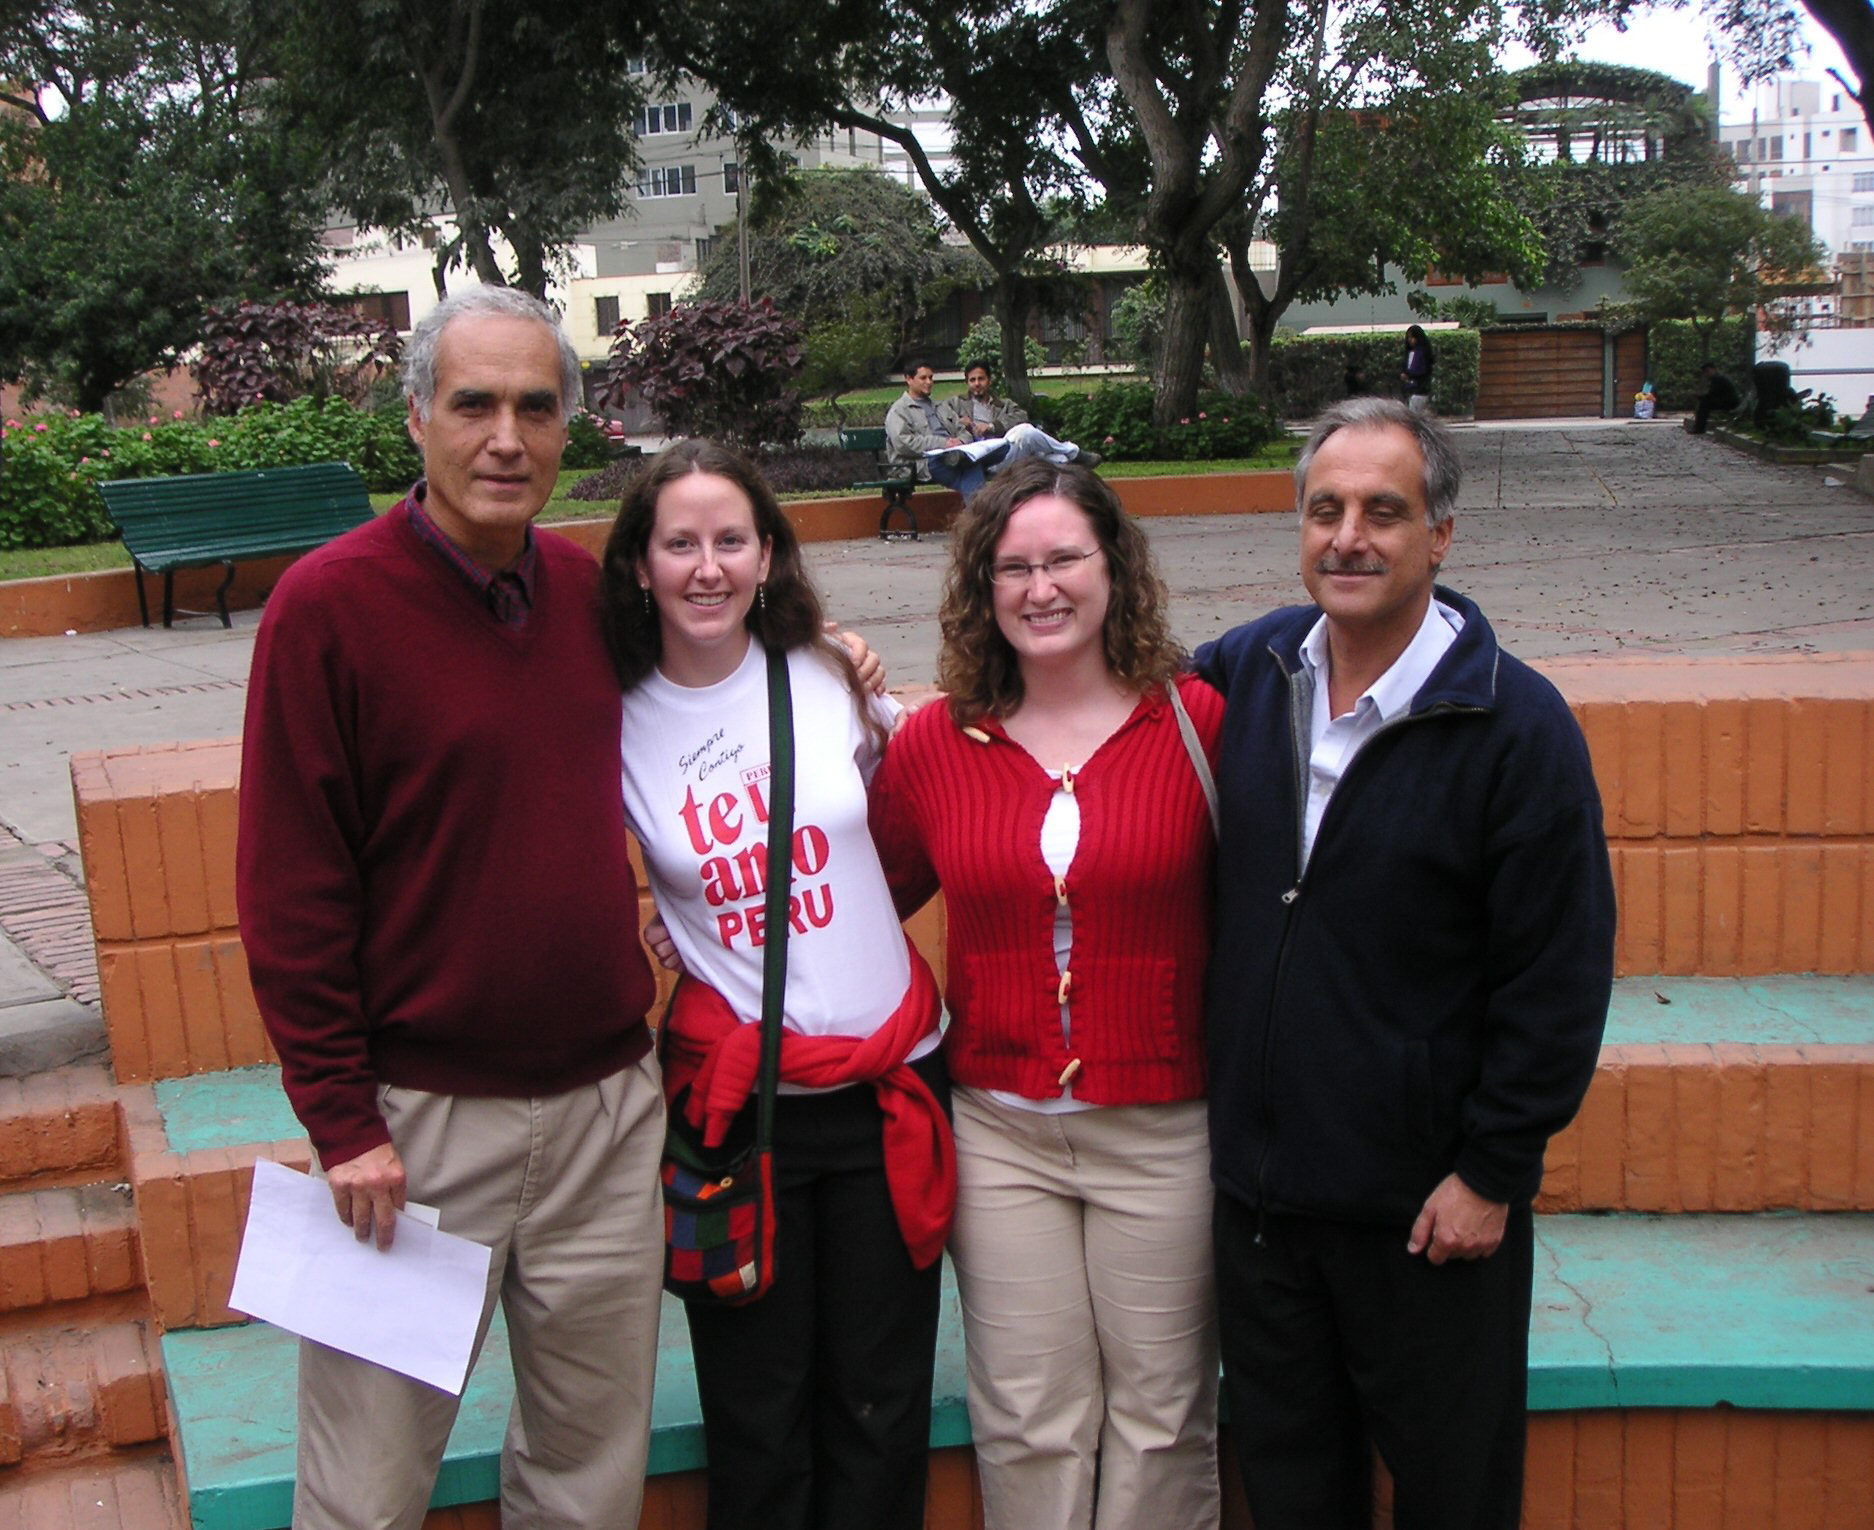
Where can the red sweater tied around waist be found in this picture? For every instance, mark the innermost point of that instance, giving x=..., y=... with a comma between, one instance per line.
x=717, y=1055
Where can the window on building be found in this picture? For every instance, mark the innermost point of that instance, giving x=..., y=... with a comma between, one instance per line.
x=392, y=308
x=1799, y=205
x=636, y=66
x=1776, y=147
x=1862, y=217
x=1806, y=153
x=605, y=315
x=705, y=250
x=731, y=176
x=667, y=181
x=1850, y=140
x=1864, y=180
x=1742, y=148
x=657, y=304
x=671, y=117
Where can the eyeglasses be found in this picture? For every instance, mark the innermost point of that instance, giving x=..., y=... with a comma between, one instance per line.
x=1059, y=566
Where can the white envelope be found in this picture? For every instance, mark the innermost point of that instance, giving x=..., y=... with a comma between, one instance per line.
x=413, y=1307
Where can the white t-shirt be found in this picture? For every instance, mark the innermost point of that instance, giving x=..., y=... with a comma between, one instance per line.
x=695, y=779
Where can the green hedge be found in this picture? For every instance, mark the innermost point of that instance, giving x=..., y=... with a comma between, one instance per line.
x=1116, y=421
x=1672, y=355
x=1309, y=372
x=54, y=461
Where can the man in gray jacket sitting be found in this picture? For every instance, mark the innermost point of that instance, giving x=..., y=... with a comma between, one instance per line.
x=979, y=415
x=915, y=428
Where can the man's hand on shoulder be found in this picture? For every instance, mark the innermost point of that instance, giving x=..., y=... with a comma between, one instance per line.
x=368, y=1192
x=869, y=667
x=1457, y=1223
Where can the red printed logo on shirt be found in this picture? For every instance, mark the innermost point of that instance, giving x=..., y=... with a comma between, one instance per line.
x=728, y=831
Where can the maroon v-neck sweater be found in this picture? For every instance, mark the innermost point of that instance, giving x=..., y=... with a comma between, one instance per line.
x=432, y=875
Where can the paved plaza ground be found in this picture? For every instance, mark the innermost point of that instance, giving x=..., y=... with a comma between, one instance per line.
x=1576, y=538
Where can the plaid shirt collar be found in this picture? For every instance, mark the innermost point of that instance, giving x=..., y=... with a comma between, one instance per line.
x=509, y=595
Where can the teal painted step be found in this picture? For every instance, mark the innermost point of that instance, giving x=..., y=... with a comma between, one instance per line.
x=218, y=1110
x=231, y=1395
x=1773, y=1312
x=1760, y=1011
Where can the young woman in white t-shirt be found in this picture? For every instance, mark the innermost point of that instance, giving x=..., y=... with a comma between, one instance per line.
x=815, y=1398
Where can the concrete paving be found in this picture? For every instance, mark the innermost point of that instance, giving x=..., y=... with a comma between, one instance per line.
x=1576, y=538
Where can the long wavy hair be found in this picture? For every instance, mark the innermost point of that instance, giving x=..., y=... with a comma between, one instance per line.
x=976, y=666
x=788, y=616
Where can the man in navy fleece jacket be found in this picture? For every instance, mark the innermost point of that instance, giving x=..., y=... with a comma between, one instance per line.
x=1416, y=923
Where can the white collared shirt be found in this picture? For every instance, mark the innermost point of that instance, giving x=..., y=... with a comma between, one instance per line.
x=1336, y=740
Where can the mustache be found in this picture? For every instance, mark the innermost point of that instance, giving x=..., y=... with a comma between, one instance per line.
x=1333, y=565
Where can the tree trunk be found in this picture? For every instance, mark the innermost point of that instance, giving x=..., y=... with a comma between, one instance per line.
x=1180, y=368
x=1226, y=341
x=1261, y=342
x=1260, y=311
x=1014, y=301
x=530, y=263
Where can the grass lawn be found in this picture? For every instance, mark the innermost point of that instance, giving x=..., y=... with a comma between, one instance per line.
x=42, y=562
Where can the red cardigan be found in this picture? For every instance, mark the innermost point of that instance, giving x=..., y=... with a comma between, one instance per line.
x=432, y=867
x=965, y=812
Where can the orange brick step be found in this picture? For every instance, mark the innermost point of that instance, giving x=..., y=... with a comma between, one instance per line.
x=79, y=1388
x=131, y=1492
x=65, y=1244
x=58, y=1127
x=1724, y=1127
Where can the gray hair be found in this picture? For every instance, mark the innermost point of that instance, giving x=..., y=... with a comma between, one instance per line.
x=419, y=357
x=1442, y=473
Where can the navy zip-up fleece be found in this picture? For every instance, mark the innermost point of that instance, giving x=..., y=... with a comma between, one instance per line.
x=1430, y=994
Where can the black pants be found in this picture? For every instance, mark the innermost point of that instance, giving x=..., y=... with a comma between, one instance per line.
x=817, y=1398
x=1336, y=1340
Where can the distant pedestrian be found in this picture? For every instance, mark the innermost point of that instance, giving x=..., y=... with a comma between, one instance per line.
x=1416, y=371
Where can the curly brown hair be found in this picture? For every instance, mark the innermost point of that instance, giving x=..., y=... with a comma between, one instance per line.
x=788, y=616
x=975, y=665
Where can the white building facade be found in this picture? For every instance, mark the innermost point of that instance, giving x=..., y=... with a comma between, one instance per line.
x=1804, y=150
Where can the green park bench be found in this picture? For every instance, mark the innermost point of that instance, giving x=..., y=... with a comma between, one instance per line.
x=202, y=519
x=896, y=481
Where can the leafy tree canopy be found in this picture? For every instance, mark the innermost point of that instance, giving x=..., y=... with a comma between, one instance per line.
x=143, y=176
x=833, y=243
x=514, y=119
x=1702, y=252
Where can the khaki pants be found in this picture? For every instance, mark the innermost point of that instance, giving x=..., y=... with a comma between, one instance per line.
x=564, y=1189
x=1083, y=1258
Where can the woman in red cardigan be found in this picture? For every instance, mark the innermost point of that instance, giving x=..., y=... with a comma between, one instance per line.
x=1060, y=801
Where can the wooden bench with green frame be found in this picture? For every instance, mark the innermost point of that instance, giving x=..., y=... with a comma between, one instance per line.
x=898, y=483
x=199, y=520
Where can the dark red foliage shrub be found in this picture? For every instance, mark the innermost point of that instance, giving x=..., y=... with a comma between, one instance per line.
x=726, y=370
x=257, y=353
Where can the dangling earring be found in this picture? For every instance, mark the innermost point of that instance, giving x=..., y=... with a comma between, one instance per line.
x=645, y=591
x=761, y=595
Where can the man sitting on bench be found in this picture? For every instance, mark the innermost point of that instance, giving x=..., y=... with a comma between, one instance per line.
x=919, y=434
x=979, y=415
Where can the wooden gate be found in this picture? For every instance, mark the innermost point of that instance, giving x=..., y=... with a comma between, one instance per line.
x=1539, y=373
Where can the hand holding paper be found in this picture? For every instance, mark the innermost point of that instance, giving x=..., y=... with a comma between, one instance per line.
x=413, y=1307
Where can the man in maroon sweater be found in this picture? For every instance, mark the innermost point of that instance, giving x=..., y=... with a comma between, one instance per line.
x=441, y=924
